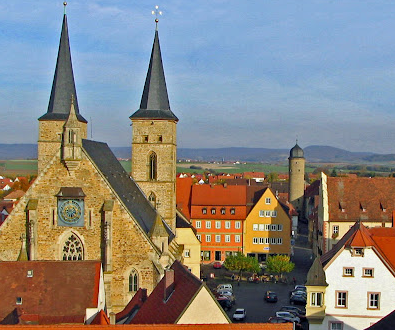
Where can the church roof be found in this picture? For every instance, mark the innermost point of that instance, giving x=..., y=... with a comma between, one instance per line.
x=123, y=185
x=63, y=86
x=155, y=102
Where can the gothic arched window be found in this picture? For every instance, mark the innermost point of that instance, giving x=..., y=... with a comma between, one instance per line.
x=152, y=199
x=152, y=166
x=133, y=281
x=72, y=248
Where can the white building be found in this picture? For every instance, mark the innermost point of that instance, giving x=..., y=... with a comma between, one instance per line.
x=353, y=285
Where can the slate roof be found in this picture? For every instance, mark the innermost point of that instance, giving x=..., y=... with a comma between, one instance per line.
x=296, y=152
x=51, y=294
x=154, y=101
x=63, y=86
x=124, y=186
x=156, y=310
x=376, y=195
x=316, y=275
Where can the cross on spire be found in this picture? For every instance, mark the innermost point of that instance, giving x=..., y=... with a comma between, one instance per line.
x=157, y=13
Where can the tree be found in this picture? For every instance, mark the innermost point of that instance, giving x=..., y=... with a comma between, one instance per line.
x=279, y=264
x=239, y=262
x=272, y=177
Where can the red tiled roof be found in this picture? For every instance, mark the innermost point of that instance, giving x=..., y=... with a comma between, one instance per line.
x=313, y=189
x=218, y=195
x=134, y=305
x=231, y=326
x=14, y=195
x=254, y=174
x=100, y=319
x=375, y=195
x=157, y=310
x=53, y=290
x=183, y=191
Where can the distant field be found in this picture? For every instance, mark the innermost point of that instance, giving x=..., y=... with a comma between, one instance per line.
x=29, y=167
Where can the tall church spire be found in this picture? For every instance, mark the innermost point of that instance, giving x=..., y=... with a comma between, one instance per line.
x=63, y=87
x=155, y=102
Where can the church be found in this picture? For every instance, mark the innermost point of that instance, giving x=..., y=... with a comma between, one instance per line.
x=85, y=206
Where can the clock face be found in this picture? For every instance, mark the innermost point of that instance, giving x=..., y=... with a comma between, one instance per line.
x=70, y=211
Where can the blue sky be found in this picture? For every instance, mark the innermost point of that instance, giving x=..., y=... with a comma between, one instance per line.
x=239, y=73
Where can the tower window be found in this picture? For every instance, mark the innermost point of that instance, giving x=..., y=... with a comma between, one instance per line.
x=152, y=166
x=152, y=199
x=145, y=138
x=160, y=138
x=73, y=249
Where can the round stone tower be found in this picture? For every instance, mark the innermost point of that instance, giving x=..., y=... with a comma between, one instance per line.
x=296, y=177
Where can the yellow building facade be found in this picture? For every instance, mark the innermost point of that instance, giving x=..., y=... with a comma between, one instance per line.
x=267, y=228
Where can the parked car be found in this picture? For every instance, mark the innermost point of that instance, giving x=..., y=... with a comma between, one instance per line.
x=228, y=295
x=225, y=303
x=270, y=296
x=293, y=309
x=225, y=292
x=275, y=319
x=225, y=286
x=288, y=316
x=300, y=287
x=298, y=299
x=240, y=314
x=217, y=265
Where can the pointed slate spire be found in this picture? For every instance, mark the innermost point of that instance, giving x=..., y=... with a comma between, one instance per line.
x=63, y=87
x=155, y=102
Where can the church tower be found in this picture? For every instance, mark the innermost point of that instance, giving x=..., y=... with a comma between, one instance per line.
x=154, y=143
x=296, y=177
x=62, y=93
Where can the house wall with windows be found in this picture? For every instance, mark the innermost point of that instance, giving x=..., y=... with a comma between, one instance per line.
x=267, y=228
x=217, y=214
x=360, y=277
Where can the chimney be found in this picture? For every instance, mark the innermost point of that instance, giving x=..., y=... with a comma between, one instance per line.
x=112, y=318
x=225, y=185
x=169, y=283
x=143, y=297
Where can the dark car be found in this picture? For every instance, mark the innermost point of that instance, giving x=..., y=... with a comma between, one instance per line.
x=297, y=299
x=270, y=296
x=225, y=303
x=275, y=319
x=294, y=309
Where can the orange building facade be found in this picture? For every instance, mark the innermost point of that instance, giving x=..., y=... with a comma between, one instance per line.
x=218, y=213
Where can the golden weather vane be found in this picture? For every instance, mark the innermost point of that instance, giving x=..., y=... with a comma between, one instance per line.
x=157, y=13
x=64, y=5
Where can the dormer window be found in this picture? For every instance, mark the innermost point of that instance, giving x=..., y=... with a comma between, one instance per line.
x=383, y=206
x=363, y=206
x=357, y=252
x=204, y=210
x=342, y=206
x=223, y=211
x=213, y=210
x=232, y=211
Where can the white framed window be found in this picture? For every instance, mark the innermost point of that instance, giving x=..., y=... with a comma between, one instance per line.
x=261, y=213
x=316, y=299
x=237, y=224
x=273, y=227
x=204, y=210
x=227, y=238
x=348, y=271
x=227, y=224
x=373, y=300
x=268, y=214
x=208, y=224
x=217, y=224
x=274, y=214
x=255, y=240
x=261, y=227
x=279, y=240
x=255, y=227
x=335, y=230
x=213, y=210
x=232, y=211
x=261, y=240
x=335, y=325
x=187, y=253
x=279, y=227
x=198, y=224
x=199, y=237
x=18, y=300
x=237, y=238
x=223, y=210
x=208, y=238
x=267, y=240
x=341, y=299
x=267, y=227
x=367, y=272
x=268, y=200
x=358, y=252
x=272, y=240
x=218, y=238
